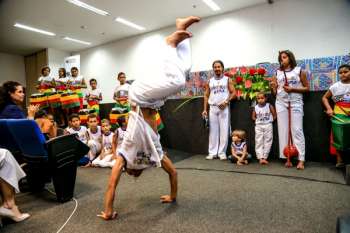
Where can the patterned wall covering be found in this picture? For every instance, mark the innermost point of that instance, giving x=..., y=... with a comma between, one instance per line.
x=322, y=72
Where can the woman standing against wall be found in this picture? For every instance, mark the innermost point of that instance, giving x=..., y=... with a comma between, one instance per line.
x=289, y=84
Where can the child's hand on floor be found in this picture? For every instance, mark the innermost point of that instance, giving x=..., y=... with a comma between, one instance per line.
x=105, y=216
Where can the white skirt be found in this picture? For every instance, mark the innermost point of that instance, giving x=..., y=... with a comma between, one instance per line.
x=10, y=171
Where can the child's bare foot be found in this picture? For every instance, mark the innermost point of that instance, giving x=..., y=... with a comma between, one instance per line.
x=87, y=165
x=245, y=162
x=300, y=165
x=264, y=162
x=288, y=164
x=184, y=23
x=261, y=161
x=174, y=39
x=239, y=163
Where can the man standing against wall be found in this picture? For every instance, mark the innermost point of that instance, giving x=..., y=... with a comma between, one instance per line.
x=219, y=91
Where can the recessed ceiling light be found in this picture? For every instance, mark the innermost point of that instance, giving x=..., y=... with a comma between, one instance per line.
x=77, y=41
x=34, y=29
x=212, y=5
x=130, y=24
x=88, y=7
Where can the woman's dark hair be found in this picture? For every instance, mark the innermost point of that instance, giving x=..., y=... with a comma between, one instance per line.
x=5, y=90
x=220, y=62
x=120, y=74
x=64, y=71
x=290, y=55
x=344, y=66
x=74, y=68
x=44, y=68
x=93, y=80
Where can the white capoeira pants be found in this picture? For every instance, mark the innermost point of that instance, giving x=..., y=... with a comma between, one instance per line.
x=151, y=91
x=297, y=114
x=107, y=161
x=219, y=129
x=95, y=149
x=141, y=146
x=10, y=171
x=263, y=140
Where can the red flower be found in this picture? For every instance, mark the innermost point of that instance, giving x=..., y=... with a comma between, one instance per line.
x=261, y=71
x=252, y=71
x=228, y=74
x=239, y=79
x=243, y=70
x=248, y=83
x=233, y=71
x=238, y=93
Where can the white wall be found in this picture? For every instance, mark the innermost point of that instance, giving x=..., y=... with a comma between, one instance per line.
x=310, y=28
x=12, y=68
x=56, y=60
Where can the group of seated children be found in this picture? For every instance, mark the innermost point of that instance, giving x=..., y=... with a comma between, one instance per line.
x=263, y=115
x=102, y=142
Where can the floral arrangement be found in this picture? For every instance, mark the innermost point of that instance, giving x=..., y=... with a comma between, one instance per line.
x=249, y=81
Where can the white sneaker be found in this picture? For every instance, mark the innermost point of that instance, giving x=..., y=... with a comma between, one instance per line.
x=222, y=157
x=209, y=157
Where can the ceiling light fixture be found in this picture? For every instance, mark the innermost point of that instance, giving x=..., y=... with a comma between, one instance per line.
x=88, y=7
x=212, y=5
x=77, y=41
x=130, y=24
x=18, y=25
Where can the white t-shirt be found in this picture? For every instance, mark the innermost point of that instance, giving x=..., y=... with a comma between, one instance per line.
x=218, y=90
x=107, y=141
x=61, y=81
x=340, y=92
x=263, y=114
x=47, y=80
x=293, y=78
x=82, y=133
x=238, y=148
x=96, y=92
x=76, y=81
x=120, y=133
x=95, y=136
x=121, y=91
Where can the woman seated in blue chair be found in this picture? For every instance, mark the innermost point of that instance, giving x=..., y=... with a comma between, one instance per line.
x=11, y=101
x=10, y=174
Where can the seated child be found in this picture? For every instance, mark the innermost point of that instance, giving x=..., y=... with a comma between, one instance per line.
x=81, y=131
x=263, y=115
x=94, y=137
x=239, y=148
x=46, y=124
x=119, y=132
x=107, y=155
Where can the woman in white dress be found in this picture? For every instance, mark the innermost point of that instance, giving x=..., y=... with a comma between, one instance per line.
x=10, y=174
